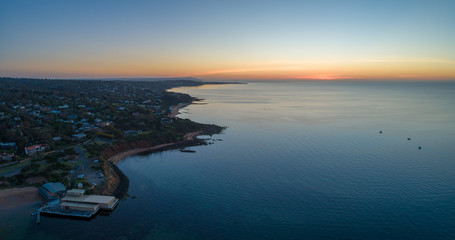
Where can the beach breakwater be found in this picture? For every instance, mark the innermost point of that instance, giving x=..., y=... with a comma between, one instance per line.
x=121, y=190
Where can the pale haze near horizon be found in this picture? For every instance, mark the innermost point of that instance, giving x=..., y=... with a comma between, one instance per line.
x=391, y=40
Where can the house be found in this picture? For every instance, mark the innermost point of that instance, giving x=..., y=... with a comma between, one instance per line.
x=36, y=148
x=52, y=191
x=7, y=156
x=166, y=120
x=105, y=124
x=132, y=132
x=8, y=145
x=79, y=136
x=57, y=139
x=72, y=117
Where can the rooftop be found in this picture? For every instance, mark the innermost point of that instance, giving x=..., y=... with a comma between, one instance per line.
x=76, y=192
x=91, y=206
x=90, y=199
x=54, y=187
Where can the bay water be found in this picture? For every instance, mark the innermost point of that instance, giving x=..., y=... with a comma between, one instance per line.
x=298, y=160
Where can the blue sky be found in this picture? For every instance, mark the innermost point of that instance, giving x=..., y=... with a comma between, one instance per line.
x=228, y=39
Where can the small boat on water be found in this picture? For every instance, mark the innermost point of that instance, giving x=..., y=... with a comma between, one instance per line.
x=187, y=150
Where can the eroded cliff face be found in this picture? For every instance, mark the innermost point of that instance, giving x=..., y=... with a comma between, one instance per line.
x=117, y=182
x=112, y=179
x=125, y=146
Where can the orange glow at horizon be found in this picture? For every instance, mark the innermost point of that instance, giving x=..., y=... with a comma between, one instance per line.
x=228, y=40
x=324, y=77
x=406, y=69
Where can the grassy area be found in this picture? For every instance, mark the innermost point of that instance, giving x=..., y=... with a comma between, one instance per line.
x=15, y=166
x=100, y=142
x=74, y=163
x=86, y=154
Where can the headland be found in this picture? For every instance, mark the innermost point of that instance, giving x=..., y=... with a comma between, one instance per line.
x=75, y=131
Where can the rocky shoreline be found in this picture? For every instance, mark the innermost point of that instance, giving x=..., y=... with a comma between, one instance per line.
x=118, y=184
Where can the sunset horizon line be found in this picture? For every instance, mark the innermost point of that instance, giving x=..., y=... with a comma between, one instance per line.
x=321, y=78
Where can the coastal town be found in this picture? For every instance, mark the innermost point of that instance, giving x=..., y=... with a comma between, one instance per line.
x=64, y=137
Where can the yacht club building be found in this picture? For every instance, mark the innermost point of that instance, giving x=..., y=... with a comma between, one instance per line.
x=77, y=204
x=76, y=200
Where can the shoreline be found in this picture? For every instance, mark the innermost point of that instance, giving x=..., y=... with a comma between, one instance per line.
x=165, y=146
x=119, y=157
x=20, y=196
x=17, y=197
x=175, y=109
x=189, y=138
x=119, y=184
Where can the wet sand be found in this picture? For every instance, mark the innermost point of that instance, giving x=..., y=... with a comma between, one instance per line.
x=119, y=157
x=15, y=197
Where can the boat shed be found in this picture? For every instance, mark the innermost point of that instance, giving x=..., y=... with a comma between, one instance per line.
x=52, y=191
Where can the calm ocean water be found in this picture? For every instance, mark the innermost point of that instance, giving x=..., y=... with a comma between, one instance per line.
x=298, y=161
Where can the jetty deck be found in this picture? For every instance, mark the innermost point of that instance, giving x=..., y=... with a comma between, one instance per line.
x=67, y=213
x=76, y=204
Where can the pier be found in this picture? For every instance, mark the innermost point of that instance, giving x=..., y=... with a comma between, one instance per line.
x=66, y=213
x=76, y=204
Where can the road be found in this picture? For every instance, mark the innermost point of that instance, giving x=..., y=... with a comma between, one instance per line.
x=89, y=173
x=84, y=168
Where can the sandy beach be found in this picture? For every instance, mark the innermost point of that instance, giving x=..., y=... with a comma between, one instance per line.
x=15, y=197
x=175, y=109
x=119, y=157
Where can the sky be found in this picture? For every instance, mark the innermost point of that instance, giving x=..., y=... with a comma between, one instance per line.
x=219, y=40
